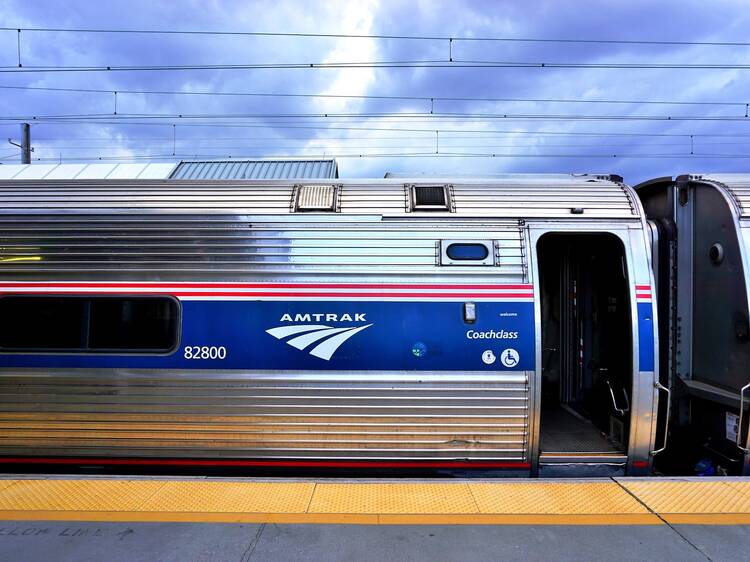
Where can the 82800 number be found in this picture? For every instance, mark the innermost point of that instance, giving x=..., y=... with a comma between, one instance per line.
x=205, y=352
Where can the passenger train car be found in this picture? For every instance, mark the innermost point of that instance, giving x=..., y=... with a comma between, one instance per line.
x=505, y=324
x=700, y=228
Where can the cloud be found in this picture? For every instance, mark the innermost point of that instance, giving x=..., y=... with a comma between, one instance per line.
x=536, y=145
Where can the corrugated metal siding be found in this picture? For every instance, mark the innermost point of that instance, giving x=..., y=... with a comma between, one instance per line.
x=551, y=198
x=180, y=247
x=256, y=169
x=738, y=186
x=509, y=199
x=284, y=416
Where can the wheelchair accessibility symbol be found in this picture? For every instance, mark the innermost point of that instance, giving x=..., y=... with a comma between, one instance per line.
x=509, y=357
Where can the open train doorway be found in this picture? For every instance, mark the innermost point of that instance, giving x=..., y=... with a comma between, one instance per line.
x=587, y=354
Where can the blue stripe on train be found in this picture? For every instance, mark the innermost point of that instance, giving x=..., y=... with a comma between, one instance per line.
x=404, y=335
x=645, y=336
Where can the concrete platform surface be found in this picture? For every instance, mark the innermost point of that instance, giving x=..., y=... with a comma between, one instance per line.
x=42, y=541
x=185, y=519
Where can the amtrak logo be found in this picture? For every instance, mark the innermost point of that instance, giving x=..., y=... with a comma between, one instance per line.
x=327, y=338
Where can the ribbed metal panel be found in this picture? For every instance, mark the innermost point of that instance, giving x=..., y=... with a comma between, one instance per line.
x=532, y=199
x=502, y=199
x=255, y=169
x=738, y=187
x=316, y=198
x=281, y=416
x=182, y=247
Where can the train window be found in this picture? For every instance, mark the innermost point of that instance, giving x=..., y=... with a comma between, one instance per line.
x=430, y=198
x=41, y=322
x=465, y=252
x=97, y=324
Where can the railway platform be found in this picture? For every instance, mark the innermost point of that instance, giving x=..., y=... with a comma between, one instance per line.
x=147, y=518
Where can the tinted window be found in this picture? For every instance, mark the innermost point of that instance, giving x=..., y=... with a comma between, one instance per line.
x=467, y=252
x=42, y=322
x=88, y=324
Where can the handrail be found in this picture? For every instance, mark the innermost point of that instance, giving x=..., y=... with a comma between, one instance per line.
x=739, y=424
x=620, y=411
x=660, y=386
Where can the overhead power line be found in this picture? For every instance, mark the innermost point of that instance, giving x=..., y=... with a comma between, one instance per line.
x=390, y=116
x=390, y=129
x=212, y=142
x=377, y=36
x=404, y=155
x=409, y=64
x=427, y=99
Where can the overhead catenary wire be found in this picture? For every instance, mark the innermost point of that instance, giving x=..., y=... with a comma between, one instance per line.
x=439, y=123
x=168, y=157
x=451, y=38
x=390, y=116
x=292, y=139
x=313, y=145
x=369, y=128
x=431, y=98
x=407, y=64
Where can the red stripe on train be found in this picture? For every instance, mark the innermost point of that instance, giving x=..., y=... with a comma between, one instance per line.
x=261, y=463
x=266, y=285
x=316, y=294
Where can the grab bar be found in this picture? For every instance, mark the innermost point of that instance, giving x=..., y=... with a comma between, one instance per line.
x=739, y=424
x=660, y=386
x=620, y=411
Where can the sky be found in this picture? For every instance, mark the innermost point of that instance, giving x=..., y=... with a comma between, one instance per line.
x=503, y=123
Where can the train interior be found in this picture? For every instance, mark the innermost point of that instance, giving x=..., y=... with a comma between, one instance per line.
x=586, y=348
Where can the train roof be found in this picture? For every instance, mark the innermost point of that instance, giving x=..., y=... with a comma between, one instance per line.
x=516, y=196
x=735, y=186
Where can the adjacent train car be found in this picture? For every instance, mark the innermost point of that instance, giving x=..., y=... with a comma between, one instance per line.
x=700, y=227
x=502, y=324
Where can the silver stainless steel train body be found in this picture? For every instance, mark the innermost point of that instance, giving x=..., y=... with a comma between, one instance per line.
x=501, y=324
x=700, y=227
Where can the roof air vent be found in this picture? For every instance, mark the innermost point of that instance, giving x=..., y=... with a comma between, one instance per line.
x=315, y=198
x=430, y=198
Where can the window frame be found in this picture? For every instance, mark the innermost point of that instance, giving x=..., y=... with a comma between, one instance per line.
x=414, y=207
x=104, y=351
x=298, y=194
x=487, y=261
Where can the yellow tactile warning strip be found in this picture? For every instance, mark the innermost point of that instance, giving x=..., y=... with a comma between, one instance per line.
x=602, y=502
x=393, y=499
x=726, y=501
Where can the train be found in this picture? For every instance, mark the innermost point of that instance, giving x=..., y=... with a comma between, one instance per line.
x=521, y=325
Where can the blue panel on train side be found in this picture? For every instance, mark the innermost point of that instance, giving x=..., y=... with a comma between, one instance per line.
x=334, y=335
x=645, y=336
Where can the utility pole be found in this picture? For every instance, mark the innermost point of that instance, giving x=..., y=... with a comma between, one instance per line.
x=25, y=143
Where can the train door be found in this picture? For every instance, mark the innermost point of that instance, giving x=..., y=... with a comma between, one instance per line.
x=586, y=354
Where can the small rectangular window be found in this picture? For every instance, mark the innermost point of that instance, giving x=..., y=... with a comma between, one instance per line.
x=430, y=198
x=88, y=324
x=466, y=252
x=460, y=251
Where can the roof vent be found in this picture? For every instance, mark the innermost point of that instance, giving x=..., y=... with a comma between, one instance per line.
x=430, y=198
x=312, y=198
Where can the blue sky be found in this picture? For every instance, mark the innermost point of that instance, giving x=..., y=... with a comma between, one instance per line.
x=143, y=128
